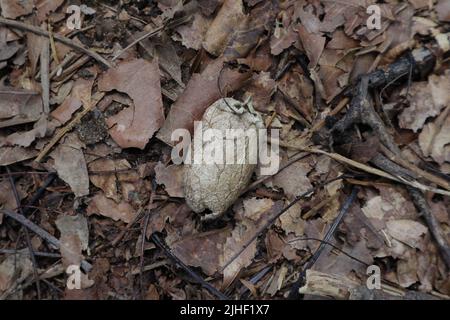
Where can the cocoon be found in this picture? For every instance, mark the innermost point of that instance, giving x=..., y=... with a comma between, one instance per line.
x=216, y=186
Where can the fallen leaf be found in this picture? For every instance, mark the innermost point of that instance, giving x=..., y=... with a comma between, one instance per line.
x=192, y=35
x=435, y=141
x=74, y=238
x=10, y=155
x=15, y=269
x=109, y=208
x=18, y=106
x=44, y=7
x=171, y=177
x=228, y=19
x=201, y=91
x=80, y=95
x=293, y=179
x=427, y=100
x=71, y=165
x=134, y=126
x=15, y=9
x=442, y=9
x=313, y=44
x=409, y=232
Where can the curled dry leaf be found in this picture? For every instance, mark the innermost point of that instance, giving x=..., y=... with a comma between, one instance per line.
x=134, y=126
x=230, y=15
x=171, y=177
x=71, y=165
x=201, y=91
x=109, y=208
x=10, y=155
x=313, y=43
x=434, y=140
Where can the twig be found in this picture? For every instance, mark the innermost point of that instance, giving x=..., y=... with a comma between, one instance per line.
x=293, y=294
x=141, y=262
x=27, y=235
x=68, y=42
x=194, y=275
x=45, y=79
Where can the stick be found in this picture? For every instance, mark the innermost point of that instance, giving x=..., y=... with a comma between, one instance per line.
x=68, y=42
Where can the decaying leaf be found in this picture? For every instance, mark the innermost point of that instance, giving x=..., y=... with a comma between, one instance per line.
x=14, y=270
x=18, y=106
x=100, y=204
x=293, y=179
x=44, y=7
x=406, y=231
x=171, y=177
x=230, y=15
x=74, y=238
x=71, y=165
x=201, y=91
x=427, y=100
x=192, y=35
x=14, y=9
x=134, y=126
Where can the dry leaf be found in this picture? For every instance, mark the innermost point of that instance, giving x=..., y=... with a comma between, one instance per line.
x=44, y=7
x=109, y=208
x=81, y=95
x=409, y=232
x=201, y=91
x=171, y=177
x=427, y=100
x=10, y=155
x=71, y=165
x=14, y=270
x=313, y=44
x=18, y=106
x=229, y=18
x=192, y=35
x=74, y=238
x=134, y=126
x=293, y=179
x=12, y=9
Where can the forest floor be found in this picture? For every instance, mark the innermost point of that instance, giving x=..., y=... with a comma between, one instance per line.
x=93, y=205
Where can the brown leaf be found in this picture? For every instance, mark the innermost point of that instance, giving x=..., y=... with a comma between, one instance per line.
x=229, y=18
x=202, y=250
x=261, y=89
x=71, y=165
x=313, y=43
x=409, y=232
x=24, y=139
x=435, y=141
x=293, y=179
x=14, y=270
x=109, y=208
x=81, y=95
x=10, y=155
x=427, y=100
x=172, y=179
x=134, y=126
x=443, y=10
x=201, y=91
x=14, y=9
x=192, y=35
x=18, y=106
x=44, y=7
x=74, y=238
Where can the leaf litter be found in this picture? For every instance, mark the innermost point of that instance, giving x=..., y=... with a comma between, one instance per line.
x=109, y=137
